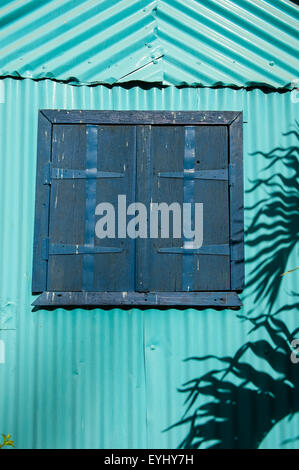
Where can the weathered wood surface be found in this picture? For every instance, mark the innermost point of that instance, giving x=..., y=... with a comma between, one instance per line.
x=171, y=299
x=140, y=117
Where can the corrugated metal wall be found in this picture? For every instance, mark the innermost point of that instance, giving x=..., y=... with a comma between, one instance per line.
x=109, y=379
x=207, y=42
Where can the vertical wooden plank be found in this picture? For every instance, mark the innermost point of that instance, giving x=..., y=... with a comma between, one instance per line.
x=236, y=203
x=90, y=206
x=189, y=186
x=144, y=174
x=40, y=265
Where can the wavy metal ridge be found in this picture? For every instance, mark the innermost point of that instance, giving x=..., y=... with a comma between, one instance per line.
x=193, y=42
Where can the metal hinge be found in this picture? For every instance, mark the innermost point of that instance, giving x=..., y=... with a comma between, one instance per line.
x=52, y=173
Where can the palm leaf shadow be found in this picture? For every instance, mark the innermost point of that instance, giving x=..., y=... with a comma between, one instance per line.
x=239, y=415
x=236, y=405
x=275, y=224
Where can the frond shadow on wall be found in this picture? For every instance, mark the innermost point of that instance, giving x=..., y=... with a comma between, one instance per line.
x=275, y=225
x=235, y=406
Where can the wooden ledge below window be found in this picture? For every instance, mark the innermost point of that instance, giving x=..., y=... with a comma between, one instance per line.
x=137, y=299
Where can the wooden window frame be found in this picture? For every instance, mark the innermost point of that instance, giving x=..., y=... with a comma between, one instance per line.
x=224, y=299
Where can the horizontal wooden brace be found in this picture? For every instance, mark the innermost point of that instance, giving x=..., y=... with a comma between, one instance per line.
x=151, y=299
x=192, y=118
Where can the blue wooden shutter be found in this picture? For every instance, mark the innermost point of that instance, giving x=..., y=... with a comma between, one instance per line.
x=88, y=157
x=160, y=149
x=90, y=164
x=185, y=164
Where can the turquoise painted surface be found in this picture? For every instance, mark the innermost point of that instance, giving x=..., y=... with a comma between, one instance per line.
x=206, y=42
x=109, y=379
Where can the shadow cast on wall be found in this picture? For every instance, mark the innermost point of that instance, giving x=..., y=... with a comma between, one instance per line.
x=236, y=405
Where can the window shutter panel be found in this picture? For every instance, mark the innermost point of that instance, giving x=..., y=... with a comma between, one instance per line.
x=159, y=149
x=90, y=164
x=212, y=272
x=185, y=164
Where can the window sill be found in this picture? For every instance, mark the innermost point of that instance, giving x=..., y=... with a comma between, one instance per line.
x=137, y=299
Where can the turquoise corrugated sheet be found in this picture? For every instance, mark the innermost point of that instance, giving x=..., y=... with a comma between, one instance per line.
x=206, y=42
x=109, y=379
